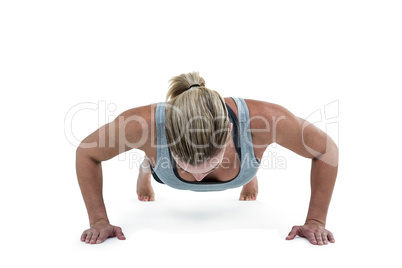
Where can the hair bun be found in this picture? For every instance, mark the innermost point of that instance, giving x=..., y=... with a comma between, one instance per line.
x=195, y=85
x=182, y=83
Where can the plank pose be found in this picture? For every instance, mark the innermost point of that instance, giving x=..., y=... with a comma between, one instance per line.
x=196, y=140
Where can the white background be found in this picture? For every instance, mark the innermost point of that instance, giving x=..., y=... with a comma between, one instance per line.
x=302, y=55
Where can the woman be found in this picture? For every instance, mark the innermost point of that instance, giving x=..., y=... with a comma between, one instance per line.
x=200, y=141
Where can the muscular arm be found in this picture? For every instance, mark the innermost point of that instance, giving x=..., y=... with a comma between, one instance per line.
x=89, y=174
x=308, y=141
x=323, y=176
x=126, y=132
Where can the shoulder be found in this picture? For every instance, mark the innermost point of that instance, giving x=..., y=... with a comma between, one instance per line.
x=137, y=124
x=143, y=111
x=264, y=108
x=263, y=112
x=264, y=118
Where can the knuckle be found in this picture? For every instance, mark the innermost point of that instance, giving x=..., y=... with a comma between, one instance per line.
x=104, y=231
x=101, y=237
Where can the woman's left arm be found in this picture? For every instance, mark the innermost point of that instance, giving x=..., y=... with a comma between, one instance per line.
x=309, y=141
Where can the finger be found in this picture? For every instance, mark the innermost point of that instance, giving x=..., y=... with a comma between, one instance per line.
x=311, y=237
x=83, y=236
x=88, y=238
x=331, y=237
x=119, y=233
x=95, y=235
x=324, y=239
x=102, y=237
x=292, y=233
x=318, y=238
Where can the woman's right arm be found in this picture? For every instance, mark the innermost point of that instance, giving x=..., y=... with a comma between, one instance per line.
x=129, y=130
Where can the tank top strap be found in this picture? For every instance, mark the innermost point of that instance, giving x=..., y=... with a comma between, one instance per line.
x=160, y=121
x=245, y=133
x=160, y=130
x=160, y=113
x=242, y=110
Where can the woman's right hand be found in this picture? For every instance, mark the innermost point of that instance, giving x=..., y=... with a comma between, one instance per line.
x=99, y=231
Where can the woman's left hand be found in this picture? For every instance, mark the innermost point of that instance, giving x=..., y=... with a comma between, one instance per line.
x=314, y=232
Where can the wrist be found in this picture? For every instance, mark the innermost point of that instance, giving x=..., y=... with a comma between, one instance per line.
x=315, y=222
x=98, y=220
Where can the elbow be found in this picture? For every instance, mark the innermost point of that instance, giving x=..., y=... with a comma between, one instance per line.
x=330, y=156
x=81, y=154
x=335, y=153
x=80, y=149
x=84, y=151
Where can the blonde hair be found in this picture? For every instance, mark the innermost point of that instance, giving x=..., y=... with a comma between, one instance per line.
x=197, y=108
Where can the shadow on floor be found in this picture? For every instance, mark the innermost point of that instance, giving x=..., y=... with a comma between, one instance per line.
x=198, y=216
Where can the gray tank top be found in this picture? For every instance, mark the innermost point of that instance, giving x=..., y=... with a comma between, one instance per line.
x=164, y=165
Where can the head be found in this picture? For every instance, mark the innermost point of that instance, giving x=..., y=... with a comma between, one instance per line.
x=197, y=125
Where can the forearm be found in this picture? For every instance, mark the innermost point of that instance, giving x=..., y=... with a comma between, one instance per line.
x=324, y=170
x=89, y=174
